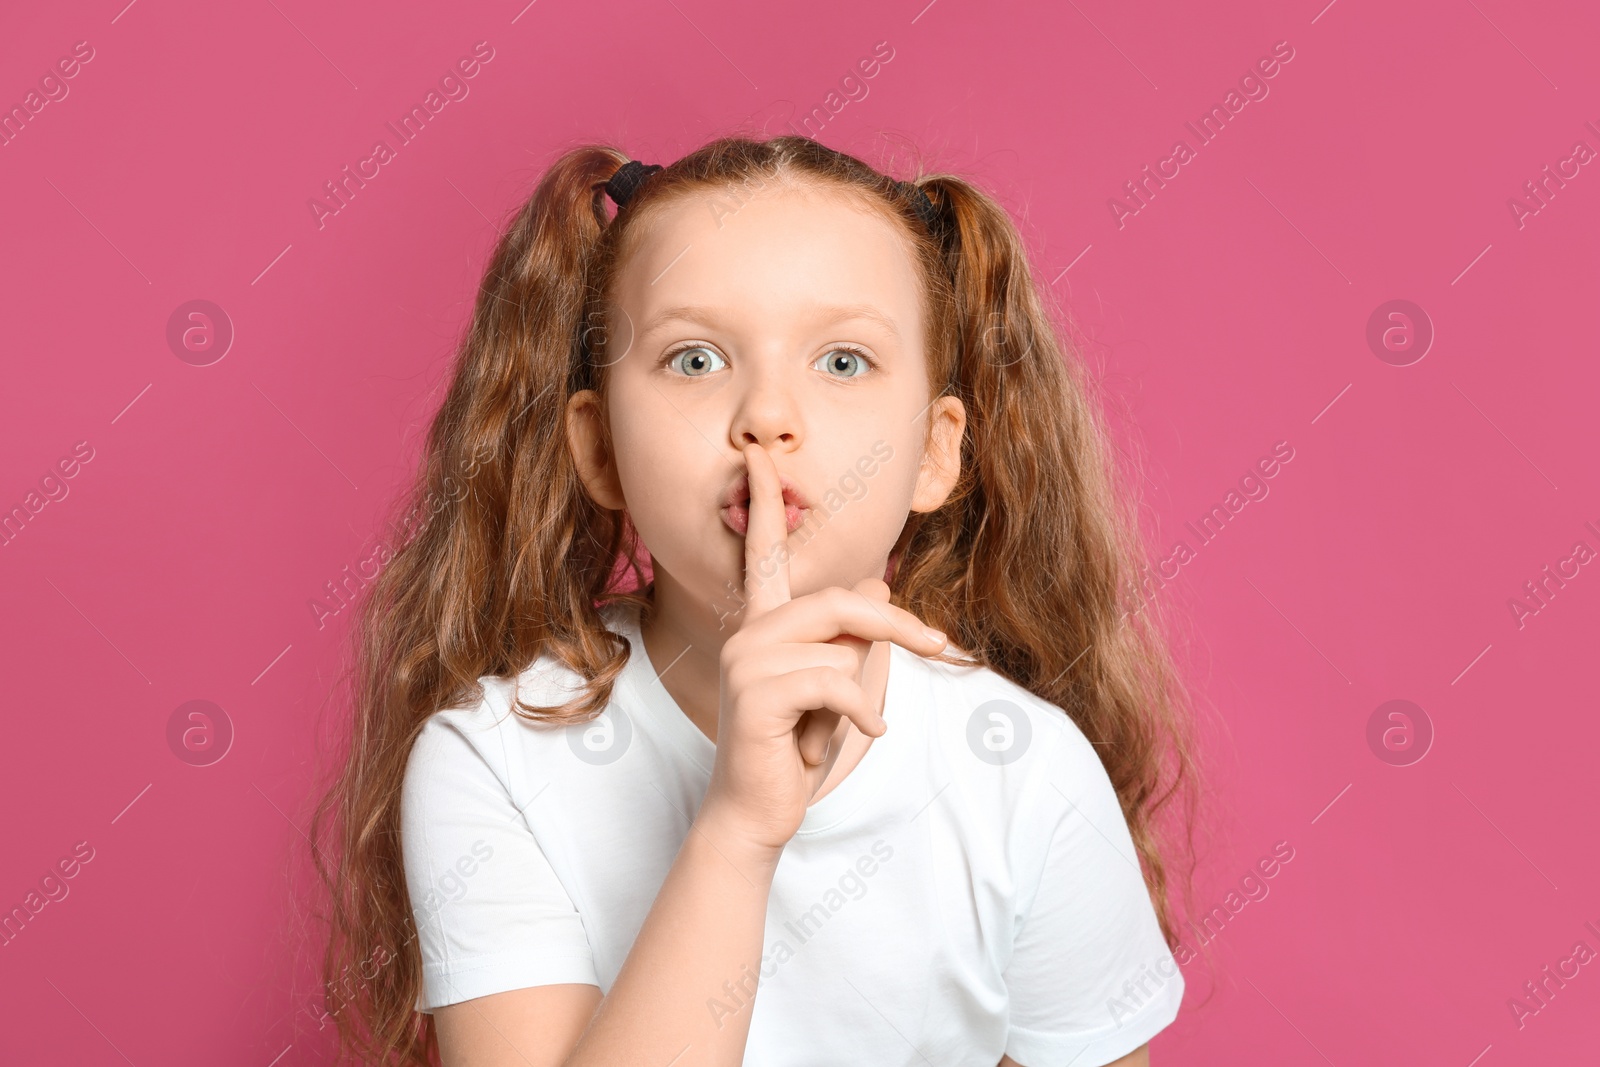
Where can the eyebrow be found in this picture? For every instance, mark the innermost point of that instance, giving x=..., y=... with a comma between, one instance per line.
x=821, y=315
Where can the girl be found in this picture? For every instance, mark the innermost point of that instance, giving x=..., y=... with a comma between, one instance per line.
x=754, y=806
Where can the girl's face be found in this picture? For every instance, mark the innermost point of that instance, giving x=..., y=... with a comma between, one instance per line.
x=794, y=321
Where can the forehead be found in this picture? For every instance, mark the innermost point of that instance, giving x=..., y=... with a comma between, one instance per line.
x=788, y=255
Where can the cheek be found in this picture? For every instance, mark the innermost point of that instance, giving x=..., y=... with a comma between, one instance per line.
x=895, y=470
x=863, y=505
x=662, y=452
x=670, y=472
x=666, y=483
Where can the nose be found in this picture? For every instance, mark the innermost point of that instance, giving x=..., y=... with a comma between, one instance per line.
x=766, y=414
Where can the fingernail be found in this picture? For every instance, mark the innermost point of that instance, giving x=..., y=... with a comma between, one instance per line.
x=935, y=636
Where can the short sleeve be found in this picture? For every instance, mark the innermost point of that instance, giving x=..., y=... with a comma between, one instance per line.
x=491, y=914
x=1090, y=977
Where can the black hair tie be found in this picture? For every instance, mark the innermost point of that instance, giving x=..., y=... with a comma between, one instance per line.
x=626, y=181
x=924, y=208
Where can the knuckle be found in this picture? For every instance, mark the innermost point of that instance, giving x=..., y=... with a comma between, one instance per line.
x=731, y=664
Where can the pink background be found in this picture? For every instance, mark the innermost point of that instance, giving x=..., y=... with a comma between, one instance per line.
x=1228, y=314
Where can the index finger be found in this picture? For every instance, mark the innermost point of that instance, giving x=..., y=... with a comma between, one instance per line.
x=839, y=612
x=766, y=538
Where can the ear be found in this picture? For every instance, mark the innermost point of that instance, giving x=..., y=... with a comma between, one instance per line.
x=591, y=452
x=941, y=463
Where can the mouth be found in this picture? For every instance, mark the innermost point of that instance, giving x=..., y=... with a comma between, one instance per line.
x=736, y=505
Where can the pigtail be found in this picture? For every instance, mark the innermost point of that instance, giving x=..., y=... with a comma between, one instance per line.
x=524, y=355
x=1026, y=562
x=497, y=555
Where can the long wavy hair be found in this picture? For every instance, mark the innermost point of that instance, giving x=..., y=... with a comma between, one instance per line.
x=499, y=556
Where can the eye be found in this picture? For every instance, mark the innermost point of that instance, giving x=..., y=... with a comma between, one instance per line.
x=846, y=357
x=698, y=361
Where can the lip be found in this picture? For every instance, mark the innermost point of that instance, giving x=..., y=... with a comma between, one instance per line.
x=736, y=513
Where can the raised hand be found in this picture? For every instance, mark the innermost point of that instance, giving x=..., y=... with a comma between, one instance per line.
x=791, y=671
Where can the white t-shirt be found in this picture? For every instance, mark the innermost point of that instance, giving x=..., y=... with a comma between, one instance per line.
x=968, y=889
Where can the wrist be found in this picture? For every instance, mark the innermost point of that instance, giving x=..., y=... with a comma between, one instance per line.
x=745, y=850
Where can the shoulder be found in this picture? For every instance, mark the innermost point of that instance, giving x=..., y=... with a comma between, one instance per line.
x=1020, y=769
x=486, y=737
x=988, y=720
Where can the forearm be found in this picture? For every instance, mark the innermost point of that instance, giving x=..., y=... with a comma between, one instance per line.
x=701, y=939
